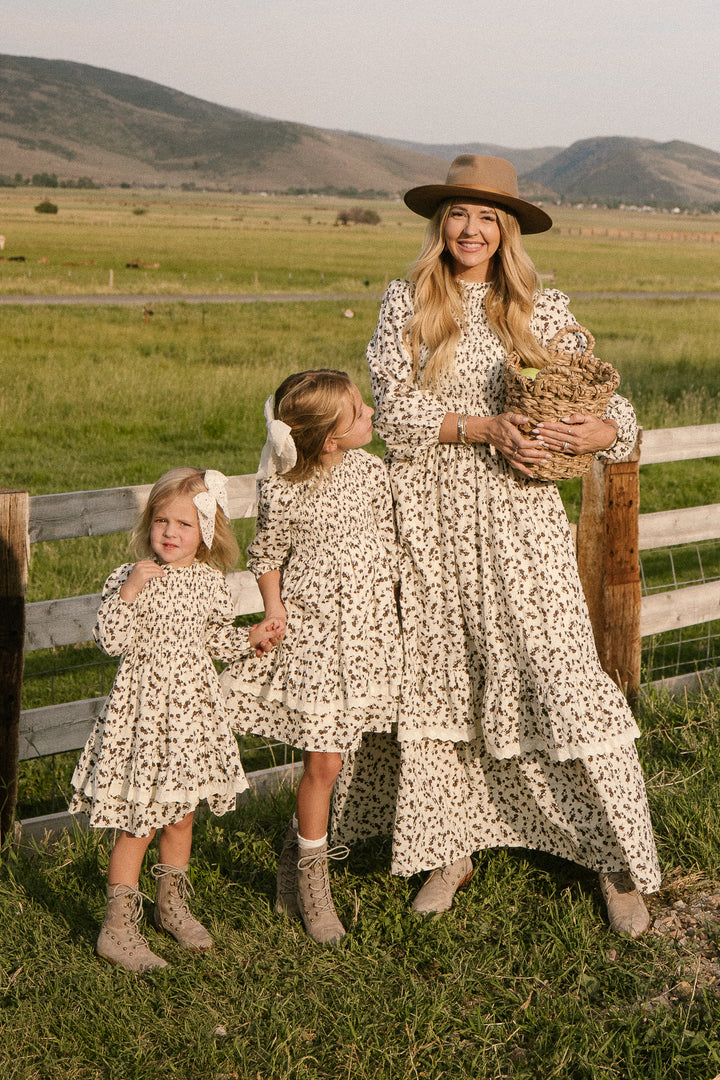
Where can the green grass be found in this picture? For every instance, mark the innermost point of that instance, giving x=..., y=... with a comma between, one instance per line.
x=523, y=979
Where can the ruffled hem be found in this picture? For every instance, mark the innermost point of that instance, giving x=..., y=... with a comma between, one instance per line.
x=567, y=752
x=120, y=791
x=240, y=689
x=142, y=820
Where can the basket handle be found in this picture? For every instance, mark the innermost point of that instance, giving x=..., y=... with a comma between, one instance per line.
x=574, y=328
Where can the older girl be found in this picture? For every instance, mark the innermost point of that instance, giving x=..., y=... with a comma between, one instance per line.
x=325, y=558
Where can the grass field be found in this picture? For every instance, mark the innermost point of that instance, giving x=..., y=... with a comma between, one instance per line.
x=523, y=979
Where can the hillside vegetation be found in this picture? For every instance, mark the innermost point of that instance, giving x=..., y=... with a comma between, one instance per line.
x=74, y=122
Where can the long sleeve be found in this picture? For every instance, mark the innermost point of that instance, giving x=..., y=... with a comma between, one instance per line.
x=223, y=640
x=551, y=315
x=406, y=418
x=115, y=626
x=270, y=547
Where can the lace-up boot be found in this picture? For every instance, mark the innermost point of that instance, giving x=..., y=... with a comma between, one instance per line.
x=626, y=909
x=286, y=901
x=315, y=900
x=120, y=940
x=438, y=891
x=172, y=913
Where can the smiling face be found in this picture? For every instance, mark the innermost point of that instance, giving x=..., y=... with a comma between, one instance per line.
x=472, y=236
x=175, y=532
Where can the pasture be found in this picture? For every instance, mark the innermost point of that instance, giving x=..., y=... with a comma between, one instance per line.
x=523, y=979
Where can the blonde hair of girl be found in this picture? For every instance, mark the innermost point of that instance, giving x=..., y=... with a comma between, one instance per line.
x=310, y=403
x=438, y=317
x=185, y=480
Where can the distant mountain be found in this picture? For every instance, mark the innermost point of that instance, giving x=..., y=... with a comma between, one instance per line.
x=633, y=171
x=75, y=121
x=523, y=160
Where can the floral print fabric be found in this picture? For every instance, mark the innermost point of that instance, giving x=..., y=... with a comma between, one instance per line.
x=510, y=732
x=338, y=670
x=162, y=743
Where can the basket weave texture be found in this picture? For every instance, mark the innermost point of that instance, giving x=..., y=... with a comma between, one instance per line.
x=572, y=380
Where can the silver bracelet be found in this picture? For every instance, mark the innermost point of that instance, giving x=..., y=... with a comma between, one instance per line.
x=613, y=443
x=462, y=430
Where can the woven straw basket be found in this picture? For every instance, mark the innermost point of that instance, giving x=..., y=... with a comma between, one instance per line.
x=571, y=381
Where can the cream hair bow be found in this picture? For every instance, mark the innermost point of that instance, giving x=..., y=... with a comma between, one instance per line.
x=207, y=502
x=279, y=453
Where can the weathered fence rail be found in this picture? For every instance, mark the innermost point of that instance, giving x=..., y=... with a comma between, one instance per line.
x=611, y=533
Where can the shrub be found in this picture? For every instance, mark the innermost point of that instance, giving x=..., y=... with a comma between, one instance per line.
x=358, y=215
x=46, y=207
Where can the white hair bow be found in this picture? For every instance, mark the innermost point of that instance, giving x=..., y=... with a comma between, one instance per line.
x=279, y=452
x=207, y=502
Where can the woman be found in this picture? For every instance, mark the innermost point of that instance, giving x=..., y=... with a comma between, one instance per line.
x=510, y=732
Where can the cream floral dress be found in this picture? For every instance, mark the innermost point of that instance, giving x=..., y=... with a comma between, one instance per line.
x=338, y=670
x=510, y=733
x=162, y=743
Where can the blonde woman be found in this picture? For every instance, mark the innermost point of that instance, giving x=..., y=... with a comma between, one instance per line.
x=510, y=732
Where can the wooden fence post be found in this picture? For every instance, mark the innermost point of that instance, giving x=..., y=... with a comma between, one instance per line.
x=14, y=521
x=609, y=564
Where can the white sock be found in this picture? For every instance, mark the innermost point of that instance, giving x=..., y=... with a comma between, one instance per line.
x=311, y=845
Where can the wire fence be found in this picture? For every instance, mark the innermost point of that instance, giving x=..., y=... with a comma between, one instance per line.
x=688, y=649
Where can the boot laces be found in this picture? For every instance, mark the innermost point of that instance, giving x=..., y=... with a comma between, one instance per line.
x=318, y=882
x=133, y=902
x=183, y=888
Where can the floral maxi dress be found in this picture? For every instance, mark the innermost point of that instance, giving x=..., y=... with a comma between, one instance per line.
x=337, y=671
x=510, y=733
x=162, y=743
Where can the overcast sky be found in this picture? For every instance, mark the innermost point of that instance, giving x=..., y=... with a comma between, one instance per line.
x=517, y=73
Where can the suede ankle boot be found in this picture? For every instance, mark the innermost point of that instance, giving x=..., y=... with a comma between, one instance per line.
x=286, y=901
x=439, y=890
x=626, y=909
x=120, y=940
x=172, y=913
x=314, y=897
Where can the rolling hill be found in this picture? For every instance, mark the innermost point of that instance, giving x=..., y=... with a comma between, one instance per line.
x=633, y=171
x=74, y=120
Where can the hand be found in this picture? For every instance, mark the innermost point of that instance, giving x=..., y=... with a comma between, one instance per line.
x=523, y=452
x=138, y=578
x=265, y=635
x=577, y=434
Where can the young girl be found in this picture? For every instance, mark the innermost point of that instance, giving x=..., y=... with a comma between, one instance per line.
x=325, y=558
x=162, y=742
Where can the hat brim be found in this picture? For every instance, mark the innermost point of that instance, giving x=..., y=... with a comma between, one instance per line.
x=425, y=201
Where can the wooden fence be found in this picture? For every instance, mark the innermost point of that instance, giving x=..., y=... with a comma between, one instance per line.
x=610, y=535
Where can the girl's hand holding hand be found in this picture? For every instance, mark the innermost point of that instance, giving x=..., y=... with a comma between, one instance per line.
x=577, y=434
x=138, y=577
x=265, y=635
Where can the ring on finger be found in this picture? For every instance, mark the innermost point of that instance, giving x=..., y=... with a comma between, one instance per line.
x=565, y=446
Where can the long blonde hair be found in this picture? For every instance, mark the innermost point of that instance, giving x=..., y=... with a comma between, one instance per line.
x=174, y=484
x=438, y=319
x=311, y=403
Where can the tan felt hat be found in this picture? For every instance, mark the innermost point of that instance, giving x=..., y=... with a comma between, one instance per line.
x=475, y=176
